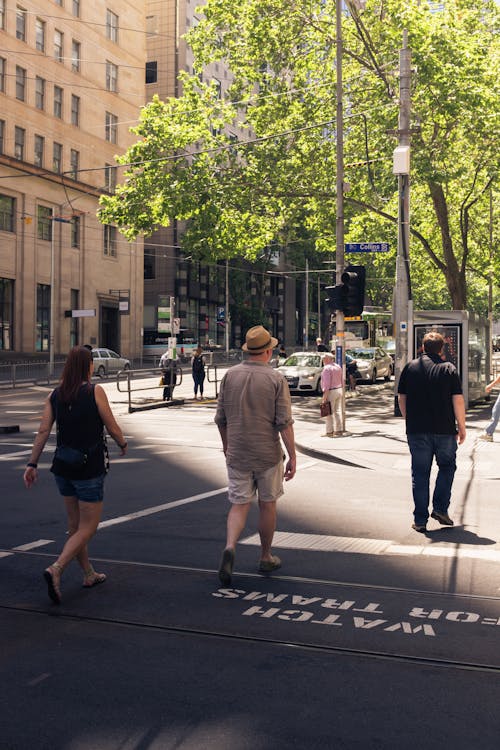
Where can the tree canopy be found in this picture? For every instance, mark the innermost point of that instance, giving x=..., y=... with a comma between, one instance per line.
x=257, y=166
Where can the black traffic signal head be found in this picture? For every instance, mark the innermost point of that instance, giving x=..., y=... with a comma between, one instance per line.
x=353, y=279
x=350, y=295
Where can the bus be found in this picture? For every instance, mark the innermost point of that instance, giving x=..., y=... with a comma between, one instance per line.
x=156, y=343
x=374, y=327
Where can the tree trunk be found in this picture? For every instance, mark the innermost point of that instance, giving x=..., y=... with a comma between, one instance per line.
x=455, y=278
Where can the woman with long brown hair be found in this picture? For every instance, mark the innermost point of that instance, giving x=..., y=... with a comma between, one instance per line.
x=80, y=410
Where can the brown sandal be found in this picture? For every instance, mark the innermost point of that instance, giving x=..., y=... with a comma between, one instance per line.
x=91, y=578
x=52, y=577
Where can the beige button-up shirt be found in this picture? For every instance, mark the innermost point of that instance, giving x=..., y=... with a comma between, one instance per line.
x=254, y=405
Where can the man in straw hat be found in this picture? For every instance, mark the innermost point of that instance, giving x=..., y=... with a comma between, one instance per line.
x=253, y=411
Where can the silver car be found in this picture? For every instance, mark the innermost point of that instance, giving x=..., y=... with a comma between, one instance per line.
x=373, y=362
x=106, y=361
x=302, y=371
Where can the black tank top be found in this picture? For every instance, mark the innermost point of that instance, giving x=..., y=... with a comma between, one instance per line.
x=79, y=426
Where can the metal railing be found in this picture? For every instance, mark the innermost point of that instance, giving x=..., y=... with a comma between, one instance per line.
x=15, y=375
x=133, y=382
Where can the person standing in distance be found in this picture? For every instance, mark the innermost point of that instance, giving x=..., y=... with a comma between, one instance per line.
x=431, y=401
x=495, y=414
x=198, y=372
x=331, y=385
x=253, y=412
x=320, y=346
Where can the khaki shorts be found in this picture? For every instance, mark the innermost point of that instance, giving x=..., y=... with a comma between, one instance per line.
x=244, y=485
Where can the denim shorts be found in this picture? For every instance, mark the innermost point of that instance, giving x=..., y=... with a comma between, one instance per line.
x=86, y=490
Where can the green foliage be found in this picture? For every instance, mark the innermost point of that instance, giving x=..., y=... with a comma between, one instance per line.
x=276, y=183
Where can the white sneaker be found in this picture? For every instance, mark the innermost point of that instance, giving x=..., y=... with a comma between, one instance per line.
x=487, y=438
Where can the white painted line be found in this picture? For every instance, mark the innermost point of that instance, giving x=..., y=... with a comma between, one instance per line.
x=324, y=543
x=22, y=412
x=160, y=508
x=17, y=454
x=33, y=545
x=38, y=679
x=6, y=554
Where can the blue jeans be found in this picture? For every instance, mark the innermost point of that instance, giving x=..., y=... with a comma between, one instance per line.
x=424, y=447
x=86, y=490
x=495, y=416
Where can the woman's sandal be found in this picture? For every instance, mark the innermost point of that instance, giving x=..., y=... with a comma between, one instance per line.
x=52, y=577
x=91, y=578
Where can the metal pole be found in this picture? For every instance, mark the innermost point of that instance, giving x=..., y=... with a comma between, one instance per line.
x=52, y=295
x=339, y=224
x=403, y=308
x=226, y=302
x=306, y=333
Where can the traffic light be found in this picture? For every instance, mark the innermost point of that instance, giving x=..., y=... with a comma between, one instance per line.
x=353, y=279
x=350, y=295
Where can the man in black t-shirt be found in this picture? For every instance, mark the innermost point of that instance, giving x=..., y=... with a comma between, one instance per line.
x=431, y=400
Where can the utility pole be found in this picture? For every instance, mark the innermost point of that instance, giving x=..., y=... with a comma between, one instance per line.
x=339, y=223
x=403, y=304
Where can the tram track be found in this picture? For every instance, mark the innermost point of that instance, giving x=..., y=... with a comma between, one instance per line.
x=423, y=661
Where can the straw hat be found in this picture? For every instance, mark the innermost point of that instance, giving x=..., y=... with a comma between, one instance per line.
x=258, y=340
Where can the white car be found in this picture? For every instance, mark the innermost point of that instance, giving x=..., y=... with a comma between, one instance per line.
x=302, y=371
x=372, y=362
x=106, y=361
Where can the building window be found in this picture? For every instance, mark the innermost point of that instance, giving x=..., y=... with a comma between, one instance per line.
x=73, y=326
x=112, y=25
x=19, y=138
x=111, y=127
x=110, y=178
x=111, y=76
x=109, y=240
x=151, y=72
x=75, y=110
x=3, y=66
x=58, y=45
x=44, y=223
x=7, y=213
x=42, y=317
x=21, y=23
x=57, y=158
x=149, y=262
x=76, y=50
x=75, y=163
x=2, y=135
x=2, y=14
x=58, y=101
x=75, y=231
x=76, y=8
x=39, y=92
x=6, y=313
x=40, y=35
x=20, y=83
x=39, y=146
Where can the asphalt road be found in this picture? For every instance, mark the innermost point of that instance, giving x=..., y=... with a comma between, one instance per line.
x=364, y=638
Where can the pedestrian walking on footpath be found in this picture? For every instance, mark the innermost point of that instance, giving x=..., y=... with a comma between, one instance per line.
x=253, y=412
x=431, y=401
x=80, y=410
x=198, y=370
x=332, y=387
x=495, y=414
x=320, y=346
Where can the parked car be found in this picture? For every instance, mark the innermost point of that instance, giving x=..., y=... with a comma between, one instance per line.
x=302, y=371
x=373, y=362
x=390, y=348
x=106, y=361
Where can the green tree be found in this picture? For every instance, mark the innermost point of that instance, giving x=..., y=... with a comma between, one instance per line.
x=240, y=196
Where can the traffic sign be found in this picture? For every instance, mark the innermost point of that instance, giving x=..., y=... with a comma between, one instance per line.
x=366, y=247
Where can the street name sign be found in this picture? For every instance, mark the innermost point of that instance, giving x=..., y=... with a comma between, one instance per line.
x=366, y=247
